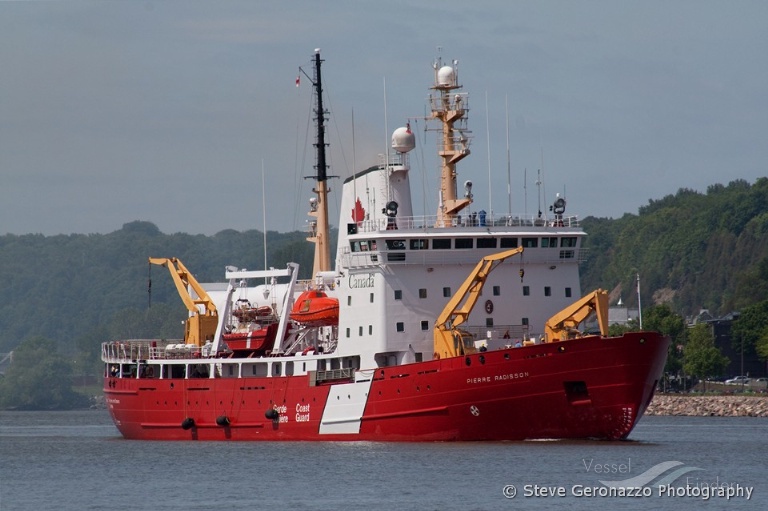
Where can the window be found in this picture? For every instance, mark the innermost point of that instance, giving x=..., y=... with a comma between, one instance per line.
x=464, y=242
x=395, y=244
x=525, y=321
x=349, y=300
x=400, y=326
x=370, y=329
x=548, y=242
x=486, y=242
x=530, y=242
x=567, y=292
x=441, y=243
x=568, y=241
x=508, y=243
x=489, y=322
x=496, y=290
x=526, y=291
x=371, y=297
x=447, y=292
x=422, y=293
x=398, y=294
x=425, y=325
x=394, y=257
x=566, y=254
x=547, y=291
x=360, y=331
x=347, y=333
x=419, y=244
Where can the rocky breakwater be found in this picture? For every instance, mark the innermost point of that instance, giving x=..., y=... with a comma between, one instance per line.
x=708, y=406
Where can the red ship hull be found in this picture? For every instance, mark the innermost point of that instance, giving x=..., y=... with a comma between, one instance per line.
x=594, y=387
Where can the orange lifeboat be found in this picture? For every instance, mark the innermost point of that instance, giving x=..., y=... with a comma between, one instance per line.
x=315, y=308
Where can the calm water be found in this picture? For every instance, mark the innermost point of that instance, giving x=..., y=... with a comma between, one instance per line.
x=77, y=461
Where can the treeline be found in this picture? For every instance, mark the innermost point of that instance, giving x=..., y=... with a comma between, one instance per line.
x=70, y=287
x=692, y=250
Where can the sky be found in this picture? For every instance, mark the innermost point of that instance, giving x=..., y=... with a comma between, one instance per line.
x=186, y=113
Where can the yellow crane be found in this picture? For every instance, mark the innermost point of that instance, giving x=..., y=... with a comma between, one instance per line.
x=564, y=325
x=450, y=340
x=203, y=318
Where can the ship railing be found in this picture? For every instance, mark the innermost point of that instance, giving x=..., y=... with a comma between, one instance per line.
x=345, y=373
x=148, y=349
x=496, y=332
x=474, y=219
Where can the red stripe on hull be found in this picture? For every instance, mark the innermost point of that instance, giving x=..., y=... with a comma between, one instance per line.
x=592, y=387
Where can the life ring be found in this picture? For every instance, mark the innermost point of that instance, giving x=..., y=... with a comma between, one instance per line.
x=489, y=307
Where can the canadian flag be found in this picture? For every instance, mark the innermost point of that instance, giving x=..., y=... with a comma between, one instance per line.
x=298, y=80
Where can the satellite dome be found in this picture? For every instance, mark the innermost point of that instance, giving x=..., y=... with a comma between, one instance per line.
x=403, y=140
x=446, y=76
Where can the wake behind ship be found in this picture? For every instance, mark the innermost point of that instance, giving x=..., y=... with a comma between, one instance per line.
x=389, y=345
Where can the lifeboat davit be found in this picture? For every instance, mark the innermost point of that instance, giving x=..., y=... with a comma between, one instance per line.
x=315, y=308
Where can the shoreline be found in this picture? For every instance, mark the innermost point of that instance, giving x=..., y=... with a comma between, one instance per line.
x=708, y=406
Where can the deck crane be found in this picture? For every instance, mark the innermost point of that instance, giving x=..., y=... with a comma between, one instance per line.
x=450, y=340
x=564, y=325
x=203, y=316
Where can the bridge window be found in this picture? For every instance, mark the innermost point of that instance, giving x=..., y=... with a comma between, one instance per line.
x=441, y=243
x=548, y=242
x=508, y=243
x=568, y=241
x=486, y=242
x=464, y=242
x=530, y=242
x=419, y=244
x=395, y=244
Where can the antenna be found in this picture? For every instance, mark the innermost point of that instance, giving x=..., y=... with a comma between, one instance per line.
x=488, y=136
x=264, y=214
x=525, y=189
x=509, y=168
x=538, y=190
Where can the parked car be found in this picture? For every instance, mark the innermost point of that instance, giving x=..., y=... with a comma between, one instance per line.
x=737, y=380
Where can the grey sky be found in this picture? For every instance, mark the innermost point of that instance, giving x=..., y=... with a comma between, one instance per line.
x=164, y=111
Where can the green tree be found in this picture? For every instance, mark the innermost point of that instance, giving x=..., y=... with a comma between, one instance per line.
x=661, y=318
x=702, y=358
x=750, y=330
x=39, y=378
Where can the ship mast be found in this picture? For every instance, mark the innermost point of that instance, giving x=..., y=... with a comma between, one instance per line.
x=319, y=234
x=451, y=110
